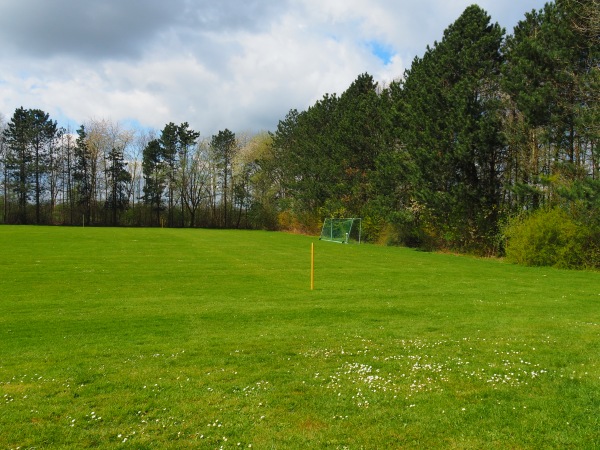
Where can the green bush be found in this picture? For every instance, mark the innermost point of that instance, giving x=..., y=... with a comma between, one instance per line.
x=546, y=238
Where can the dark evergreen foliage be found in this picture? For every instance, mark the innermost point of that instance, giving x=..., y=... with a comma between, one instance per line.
x=223, y=146
x=117, y=178
x=82, y=175
x=29, y=137
x=154, y=178
x=452, y=132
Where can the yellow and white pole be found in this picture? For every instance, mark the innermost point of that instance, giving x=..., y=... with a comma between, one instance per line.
x=312, y=266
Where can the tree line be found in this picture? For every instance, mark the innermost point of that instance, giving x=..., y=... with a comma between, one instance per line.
x=104, y=174
x=483, y=128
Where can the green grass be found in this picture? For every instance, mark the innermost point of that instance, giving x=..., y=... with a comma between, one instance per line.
x=158, y=338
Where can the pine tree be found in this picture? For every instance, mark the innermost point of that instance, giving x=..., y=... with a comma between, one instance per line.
x=43, y=134
x=82, y=175
x=224, y=146
x=19, y=159
x=155, y=175
x=553, y=80
x=363, y=130
x=118, y=177
x=452, y=130
x=189, y=179
x=169, y=145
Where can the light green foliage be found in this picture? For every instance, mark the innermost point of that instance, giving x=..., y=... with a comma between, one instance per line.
x=169, y=338
x=545, y=238
x=257, y=161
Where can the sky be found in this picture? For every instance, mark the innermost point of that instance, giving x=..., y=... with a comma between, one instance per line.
x=236, y=64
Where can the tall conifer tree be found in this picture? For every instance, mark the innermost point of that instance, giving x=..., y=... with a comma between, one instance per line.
x=452, y=130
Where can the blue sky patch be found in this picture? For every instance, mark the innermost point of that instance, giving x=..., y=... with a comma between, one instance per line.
x=382, y=51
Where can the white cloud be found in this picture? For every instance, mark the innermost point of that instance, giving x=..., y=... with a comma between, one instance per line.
x=216, y=65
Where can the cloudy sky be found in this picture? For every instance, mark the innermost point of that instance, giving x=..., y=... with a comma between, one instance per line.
x=237, y=64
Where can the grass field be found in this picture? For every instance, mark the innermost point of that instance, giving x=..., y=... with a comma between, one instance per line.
x=159, y=338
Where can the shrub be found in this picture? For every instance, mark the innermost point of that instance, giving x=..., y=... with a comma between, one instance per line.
x=298, y=223
x=547, y=237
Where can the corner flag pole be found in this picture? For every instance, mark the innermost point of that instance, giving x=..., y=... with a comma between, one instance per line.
x=312, y=266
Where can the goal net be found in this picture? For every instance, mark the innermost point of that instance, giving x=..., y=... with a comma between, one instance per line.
x=343, y=231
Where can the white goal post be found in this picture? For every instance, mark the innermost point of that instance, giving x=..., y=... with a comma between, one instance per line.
x=342, y=231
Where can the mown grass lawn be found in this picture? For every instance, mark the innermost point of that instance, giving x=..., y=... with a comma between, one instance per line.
x=160, y=338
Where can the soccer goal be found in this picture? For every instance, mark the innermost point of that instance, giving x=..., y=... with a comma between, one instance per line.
x=343, y=231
